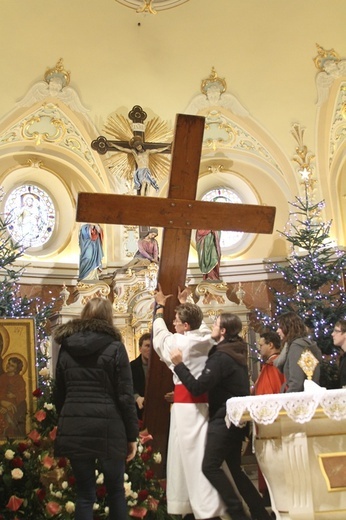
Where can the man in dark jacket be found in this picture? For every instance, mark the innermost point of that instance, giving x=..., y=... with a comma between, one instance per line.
x=139, y=368
x=225, y=375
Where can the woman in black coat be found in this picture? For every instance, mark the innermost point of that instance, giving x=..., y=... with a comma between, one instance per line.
x=94, y=399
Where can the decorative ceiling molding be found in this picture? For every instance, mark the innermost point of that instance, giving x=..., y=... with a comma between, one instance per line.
x=151, y=6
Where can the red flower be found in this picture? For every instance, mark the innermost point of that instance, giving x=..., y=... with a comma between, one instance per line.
x=52, y=433
x=145, y=456
x=149, y=474
x=101, y=492
x=71, y=481
x=37, y=393
x=41, y=493
x=40, y=415
x=17, y=462
x=53, y=508
x=143, y=495
x=149, y=449
x=22, y=446
x=138, y=512
x=14, y=503
x=62, y=462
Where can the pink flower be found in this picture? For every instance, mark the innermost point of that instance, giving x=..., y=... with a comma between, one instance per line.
x=144, y=437
x=34, y=436
x=40, y=415
x=138, y=512
x=53, y=508
x=14, y=503
x=52, y=433
x=163, y=484
x=47, y=461
x=152, y=503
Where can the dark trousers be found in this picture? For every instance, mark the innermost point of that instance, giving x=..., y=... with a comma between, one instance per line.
x=113, y=471
x=225, y=444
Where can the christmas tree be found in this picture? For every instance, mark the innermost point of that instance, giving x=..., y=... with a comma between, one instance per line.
x=313, y=271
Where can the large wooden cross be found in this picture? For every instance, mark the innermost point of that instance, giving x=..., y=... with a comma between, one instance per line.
x=178, y=214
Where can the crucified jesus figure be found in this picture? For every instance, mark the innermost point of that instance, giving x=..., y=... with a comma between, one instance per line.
x=142, y=176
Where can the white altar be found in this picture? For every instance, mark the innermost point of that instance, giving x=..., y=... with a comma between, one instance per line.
x=300, y=445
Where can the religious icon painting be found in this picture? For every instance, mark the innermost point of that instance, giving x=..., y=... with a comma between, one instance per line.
x=31, y=216
x=18, y=378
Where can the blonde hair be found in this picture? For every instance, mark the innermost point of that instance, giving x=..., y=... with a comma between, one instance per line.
x=98, y=308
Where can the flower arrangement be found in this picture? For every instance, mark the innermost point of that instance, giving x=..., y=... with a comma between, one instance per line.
x=35, y=485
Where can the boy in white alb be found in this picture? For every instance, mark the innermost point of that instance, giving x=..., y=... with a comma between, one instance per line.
x=188, y=490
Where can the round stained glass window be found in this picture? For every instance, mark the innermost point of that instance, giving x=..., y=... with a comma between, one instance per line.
x=228, y=239
x=30, y=214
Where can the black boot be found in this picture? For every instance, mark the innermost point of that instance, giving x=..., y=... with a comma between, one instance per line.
x=261, y=515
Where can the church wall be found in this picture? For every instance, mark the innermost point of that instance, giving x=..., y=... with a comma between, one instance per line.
x=118, y=59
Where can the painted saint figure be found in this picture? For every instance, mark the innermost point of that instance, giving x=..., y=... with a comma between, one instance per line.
x=209, y=253
x=91, y=252
x=13, y=405
x=148, y=250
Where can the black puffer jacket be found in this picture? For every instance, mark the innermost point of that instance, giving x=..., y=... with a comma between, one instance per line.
x=225, y=375
x=93, y=392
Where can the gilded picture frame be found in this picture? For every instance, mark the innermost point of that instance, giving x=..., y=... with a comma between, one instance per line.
x=18, y=377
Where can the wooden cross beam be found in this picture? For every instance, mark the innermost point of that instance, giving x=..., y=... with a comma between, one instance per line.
x=178, y=214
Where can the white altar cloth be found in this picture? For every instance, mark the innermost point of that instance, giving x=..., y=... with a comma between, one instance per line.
x=299, y=406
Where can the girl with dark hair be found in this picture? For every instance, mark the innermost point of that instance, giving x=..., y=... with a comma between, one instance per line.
x=294, y=336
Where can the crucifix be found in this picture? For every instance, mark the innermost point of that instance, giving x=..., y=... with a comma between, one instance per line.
x=178, y=214
x=136, y=146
